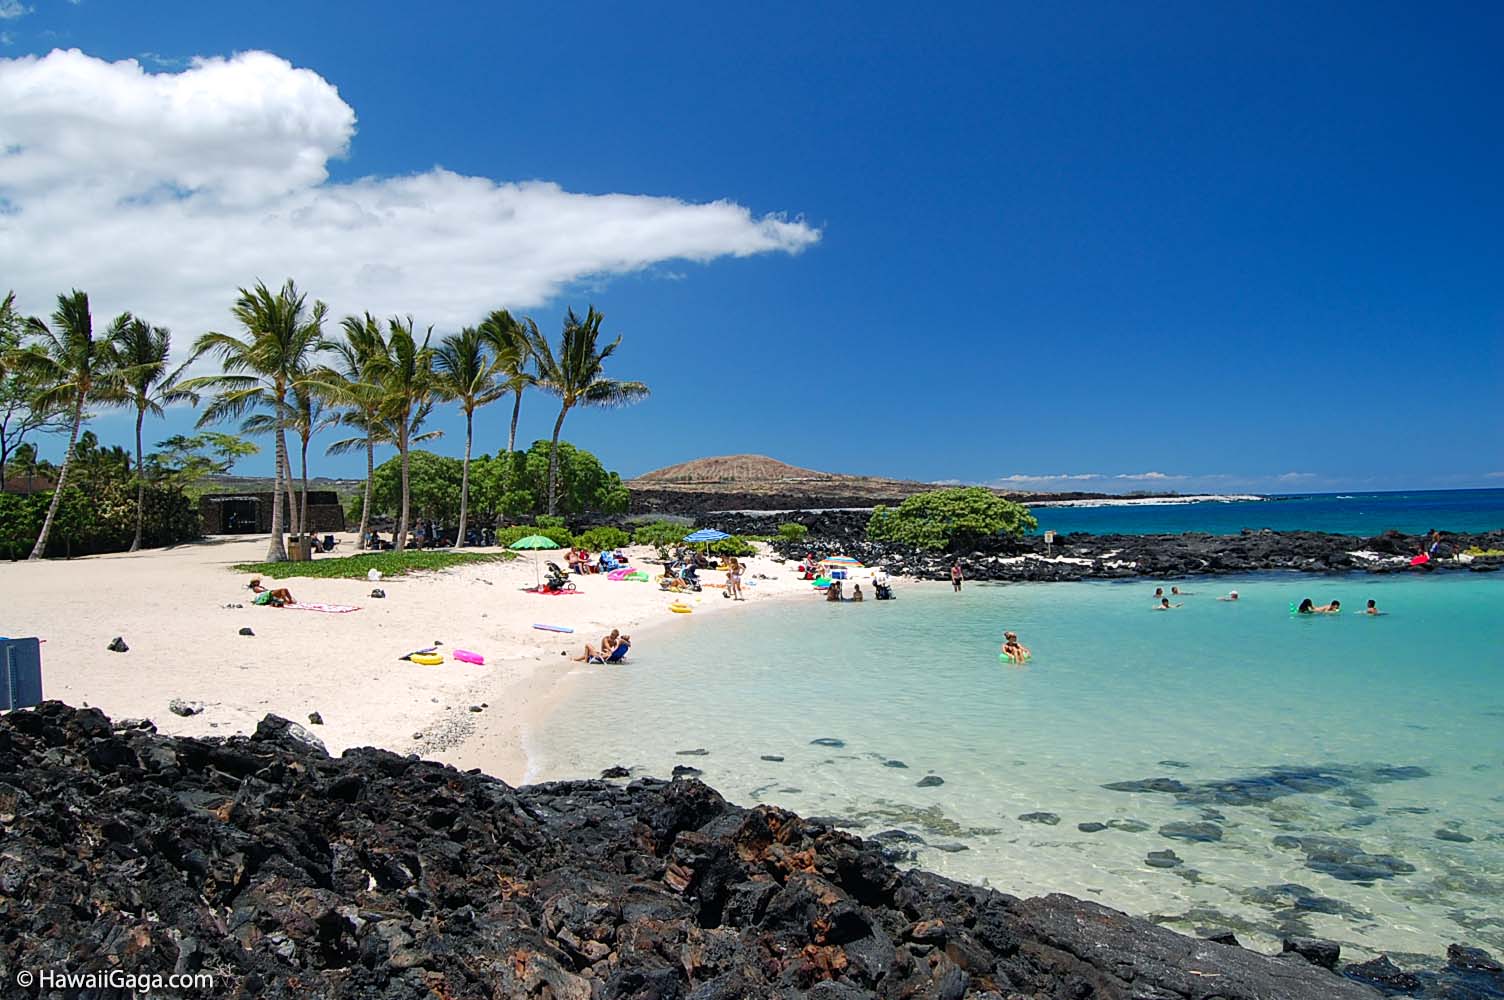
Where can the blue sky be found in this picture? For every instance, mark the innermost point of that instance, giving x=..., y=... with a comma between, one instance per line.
x=1058, y=246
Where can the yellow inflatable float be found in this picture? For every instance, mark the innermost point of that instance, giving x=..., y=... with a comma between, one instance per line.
x=680, y=608
x=427, y=659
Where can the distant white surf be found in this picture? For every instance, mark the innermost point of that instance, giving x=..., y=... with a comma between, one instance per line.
x=1149, y=501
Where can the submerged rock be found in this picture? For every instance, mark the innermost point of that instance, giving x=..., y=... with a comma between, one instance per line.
x=1047, y=818
x=1195, y=832
x=1091, y=827
x=929, y=781
x=1455, y=836
x=827, y=741
x=1162, y=859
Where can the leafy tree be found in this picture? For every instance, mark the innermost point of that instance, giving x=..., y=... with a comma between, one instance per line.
x=139, y=354
x=184, y=459
x=466, y=374
x=64, y=362
x=261, y=367
x=20, y=417
x=432, y=487
x=576, y=376
x=952, y=518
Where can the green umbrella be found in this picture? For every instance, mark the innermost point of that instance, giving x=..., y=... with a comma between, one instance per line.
x=535, y=542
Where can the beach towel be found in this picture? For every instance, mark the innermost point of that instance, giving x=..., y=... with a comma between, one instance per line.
x=547, y=592
x=328, y=609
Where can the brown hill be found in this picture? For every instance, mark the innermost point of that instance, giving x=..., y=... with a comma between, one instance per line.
x=757, y=482
x=731, y=469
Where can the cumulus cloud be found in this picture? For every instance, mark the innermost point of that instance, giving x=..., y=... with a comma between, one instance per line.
x=164, y=192
x=12, y=9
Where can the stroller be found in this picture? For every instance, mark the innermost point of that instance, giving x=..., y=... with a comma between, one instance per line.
x=679, y=579
x=558, y=580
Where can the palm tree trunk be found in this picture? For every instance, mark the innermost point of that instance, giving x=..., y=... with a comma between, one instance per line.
x=276, y=551
x=140, y=484
x=287, y=485
x=303, y=515
x=402, y=521
x=516, y=411
x=459, y=539
x=365, y=507
x=62, y=476
x=553, y=463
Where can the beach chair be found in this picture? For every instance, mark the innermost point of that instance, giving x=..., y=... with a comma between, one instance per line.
x=617, y=655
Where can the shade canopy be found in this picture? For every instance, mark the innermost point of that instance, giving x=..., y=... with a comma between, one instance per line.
x=706, y=535
x=840, y=561
x=535, y=542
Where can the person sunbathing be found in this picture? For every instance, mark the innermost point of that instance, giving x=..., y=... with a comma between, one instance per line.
x=602, y=653
x=276, y=598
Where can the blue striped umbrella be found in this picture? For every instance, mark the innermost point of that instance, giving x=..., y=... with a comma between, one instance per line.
x=706, y=535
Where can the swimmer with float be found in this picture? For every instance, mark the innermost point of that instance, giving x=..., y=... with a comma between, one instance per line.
x=1014, y=651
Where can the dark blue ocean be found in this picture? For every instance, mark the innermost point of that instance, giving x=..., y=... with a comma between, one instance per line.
x=1367, y=514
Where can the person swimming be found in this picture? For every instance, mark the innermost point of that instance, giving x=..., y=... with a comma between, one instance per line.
x=1159, y=593
x=1165, y=605
x=1329, y=609
x=1372, y=609
x=1232, y=595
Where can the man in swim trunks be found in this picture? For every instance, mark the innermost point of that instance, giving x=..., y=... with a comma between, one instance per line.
x=955, y=575
x=1372, y=609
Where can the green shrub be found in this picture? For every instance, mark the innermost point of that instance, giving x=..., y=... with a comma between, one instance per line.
x=101, y=518
x=602, y=538
x=510, y=535
x=953, y=518
x=792, y=532
x=733, y=546
x=660, y=533
x=389, y=563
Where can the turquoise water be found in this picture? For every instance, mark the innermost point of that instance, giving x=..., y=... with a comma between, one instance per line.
x=1115, y=692
x=1414, y=512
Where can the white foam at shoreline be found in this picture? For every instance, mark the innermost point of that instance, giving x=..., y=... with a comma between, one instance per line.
x=1150, y=501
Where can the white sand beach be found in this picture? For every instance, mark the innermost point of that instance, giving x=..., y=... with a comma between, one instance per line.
x=170, y=606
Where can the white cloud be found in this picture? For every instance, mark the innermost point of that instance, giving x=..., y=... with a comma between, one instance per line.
x=11, y=9
x=1290, y=477
x=164, y=192
x=6, y=38
x=1493, y=475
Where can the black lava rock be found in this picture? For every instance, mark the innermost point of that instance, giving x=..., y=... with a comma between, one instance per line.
x=247, y=631
x=117, y=645
x=1317, y=951
x=1047, y=818
x=290, y=874
x=1091, y=827
x=929, y=781
x=616, y=771
x=1193, y=832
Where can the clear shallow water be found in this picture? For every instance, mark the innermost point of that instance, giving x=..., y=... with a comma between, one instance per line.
x=1114, y=690
x=1368, y=514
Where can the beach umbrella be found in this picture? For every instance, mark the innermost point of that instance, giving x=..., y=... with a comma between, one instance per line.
x=706, y=535
x=840, y=561
x=535, y=542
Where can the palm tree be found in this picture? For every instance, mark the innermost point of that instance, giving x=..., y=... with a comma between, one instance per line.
x=510, y=341
x=405, y=373
x=139, y=353
x=306, y=417
x=350, y=385
x=576, y=377
x=261, y=367
x=67, y=364
x=466, y=374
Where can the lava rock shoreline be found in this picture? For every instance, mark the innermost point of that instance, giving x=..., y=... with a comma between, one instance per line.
x=287, y=873
x=1081, y=556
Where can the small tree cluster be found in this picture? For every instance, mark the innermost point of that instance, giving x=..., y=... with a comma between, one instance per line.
x=950, y=519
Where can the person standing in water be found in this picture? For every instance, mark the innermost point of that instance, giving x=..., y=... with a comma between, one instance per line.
x=955, y=575
x=1372, y=609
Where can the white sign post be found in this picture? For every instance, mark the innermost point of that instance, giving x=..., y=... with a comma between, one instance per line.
x=1049, y=542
